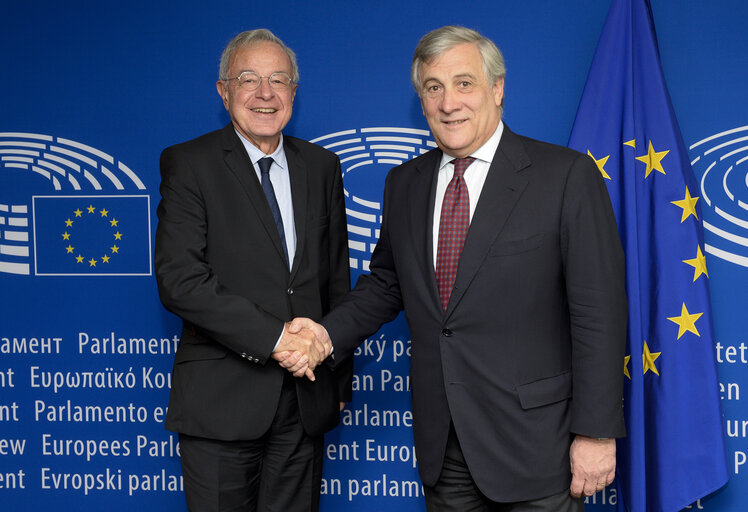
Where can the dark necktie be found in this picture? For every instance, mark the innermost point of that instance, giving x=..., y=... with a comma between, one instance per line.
x=267, y=187
x=453, y=228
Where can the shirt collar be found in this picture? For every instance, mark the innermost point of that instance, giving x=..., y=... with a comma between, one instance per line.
x=255, y=154
x=486, y=152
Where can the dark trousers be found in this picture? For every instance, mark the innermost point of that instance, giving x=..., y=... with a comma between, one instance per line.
x=456, y=491
x=280, y=472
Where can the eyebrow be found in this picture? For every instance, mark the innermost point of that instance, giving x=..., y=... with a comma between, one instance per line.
x=257, y=72
x=465, y=75
x=456, y=77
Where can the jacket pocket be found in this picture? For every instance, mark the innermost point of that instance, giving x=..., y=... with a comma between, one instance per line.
x=545, y=391
x=508, y=247
x=199, y=352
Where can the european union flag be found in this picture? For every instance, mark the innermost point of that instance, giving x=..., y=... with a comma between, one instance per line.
x=675, y=451
x=92, y=235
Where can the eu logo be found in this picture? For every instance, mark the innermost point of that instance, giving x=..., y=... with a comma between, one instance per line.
x=91, y=235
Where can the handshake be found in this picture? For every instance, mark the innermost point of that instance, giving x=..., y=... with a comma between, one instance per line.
x=303, y=346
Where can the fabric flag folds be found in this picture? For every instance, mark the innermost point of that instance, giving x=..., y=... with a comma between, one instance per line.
x=675, y=450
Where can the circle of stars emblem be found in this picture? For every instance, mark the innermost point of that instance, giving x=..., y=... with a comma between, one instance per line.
x=87, y=216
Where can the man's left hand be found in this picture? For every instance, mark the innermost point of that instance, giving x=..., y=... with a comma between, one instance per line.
x=593, y=465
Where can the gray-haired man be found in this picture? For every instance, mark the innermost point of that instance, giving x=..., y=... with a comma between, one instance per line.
x=252, y=232
x=504, y=253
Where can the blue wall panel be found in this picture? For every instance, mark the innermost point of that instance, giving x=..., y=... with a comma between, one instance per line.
x=90, y=95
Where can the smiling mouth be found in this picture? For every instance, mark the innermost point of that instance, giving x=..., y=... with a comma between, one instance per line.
x=454, y=123
x=264, y=110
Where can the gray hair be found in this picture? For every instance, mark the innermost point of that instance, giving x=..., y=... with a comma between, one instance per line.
x=251, y=37
x=438, y=41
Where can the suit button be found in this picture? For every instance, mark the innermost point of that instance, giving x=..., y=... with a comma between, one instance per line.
x=447, y=332
x=244, y=355
x=290, y=291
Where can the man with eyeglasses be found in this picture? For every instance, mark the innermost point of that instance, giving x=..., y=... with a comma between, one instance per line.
x=252, y=232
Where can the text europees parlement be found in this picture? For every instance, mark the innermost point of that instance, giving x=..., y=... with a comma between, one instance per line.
x=91, y=449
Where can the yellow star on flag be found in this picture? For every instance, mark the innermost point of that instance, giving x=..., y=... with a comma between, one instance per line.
x=648, y=360
x=114, y=249
x=686, y=321
x=91, y=209
x=698, y=263
x=92, y=262
x=66, y=236
x=626, y=360
x=105, y=258
x=631, y=143
x=688, y=204
x=653, y=159
x=70, y=249
x=68, y=223
x=78, y=212
x=600, y=164
x=79, y=259
x=113, y=222
x=118, y=236
x=104, y=212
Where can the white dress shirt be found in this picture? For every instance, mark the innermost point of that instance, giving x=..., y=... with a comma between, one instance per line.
x=281, y=181
x=475, y=176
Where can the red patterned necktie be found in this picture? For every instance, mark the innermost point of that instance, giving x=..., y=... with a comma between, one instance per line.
x=453, y=228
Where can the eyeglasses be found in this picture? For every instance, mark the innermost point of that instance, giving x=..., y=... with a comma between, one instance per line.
x=250, y=81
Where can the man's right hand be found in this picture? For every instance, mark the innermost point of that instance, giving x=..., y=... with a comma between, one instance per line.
x=303, y=346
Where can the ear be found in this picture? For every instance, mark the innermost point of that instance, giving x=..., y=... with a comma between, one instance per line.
x=498, y=92
x=223, y=91
x=293, y=93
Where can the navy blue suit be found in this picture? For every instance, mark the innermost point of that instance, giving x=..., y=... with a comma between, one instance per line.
x=530, y=349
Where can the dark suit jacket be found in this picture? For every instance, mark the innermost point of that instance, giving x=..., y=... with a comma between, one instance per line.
x=220, y=267
x=530, y=349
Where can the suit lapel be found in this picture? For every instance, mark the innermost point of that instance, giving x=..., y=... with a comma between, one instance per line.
x=501, y=191
x=240, y=165
x=421, y=196
x=298, y=174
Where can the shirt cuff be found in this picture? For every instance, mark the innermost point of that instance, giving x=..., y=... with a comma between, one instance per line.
x=279, y=338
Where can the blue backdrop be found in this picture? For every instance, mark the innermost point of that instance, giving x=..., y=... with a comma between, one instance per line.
x=92, y=92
